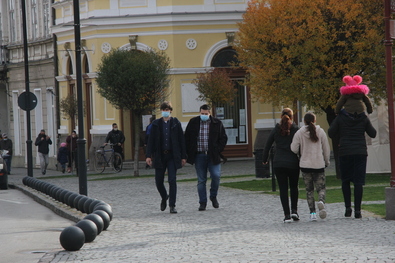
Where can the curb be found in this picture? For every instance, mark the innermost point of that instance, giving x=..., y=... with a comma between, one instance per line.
x=57, y=207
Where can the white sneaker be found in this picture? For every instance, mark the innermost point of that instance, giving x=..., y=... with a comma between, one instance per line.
x=321, y=207
x=313, y=217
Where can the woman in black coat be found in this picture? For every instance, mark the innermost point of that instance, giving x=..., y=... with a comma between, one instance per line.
x=285, y=163
x=350, y=129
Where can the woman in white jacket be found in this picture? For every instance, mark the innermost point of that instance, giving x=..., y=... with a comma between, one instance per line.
x=311, y=143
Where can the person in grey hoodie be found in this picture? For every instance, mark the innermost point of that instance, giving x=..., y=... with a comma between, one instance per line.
x=311, y=143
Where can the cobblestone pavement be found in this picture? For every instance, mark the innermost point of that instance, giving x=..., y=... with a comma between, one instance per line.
x=247, y=227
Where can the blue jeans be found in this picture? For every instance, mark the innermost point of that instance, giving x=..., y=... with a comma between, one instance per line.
x=167, y=163
x=202, y=165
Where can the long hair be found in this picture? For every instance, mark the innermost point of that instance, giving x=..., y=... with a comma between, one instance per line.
x=286, y=121
x=309, y=119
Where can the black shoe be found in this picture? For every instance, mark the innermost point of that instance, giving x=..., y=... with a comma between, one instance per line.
x=214, y=201
x=163, y=204
x=348, y=212
x=202, y=206
x=295, y=216
x=63, y=170
x=44, y=172
x=357, y=214
x=173, y=210
x=287, y=219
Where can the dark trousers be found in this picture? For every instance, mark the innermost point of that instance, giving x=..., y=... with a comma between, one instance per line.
x=118, y=149
x=8, y=162
x=353, y=169
x=72, y=159
x=284, y=177
x=167, y=163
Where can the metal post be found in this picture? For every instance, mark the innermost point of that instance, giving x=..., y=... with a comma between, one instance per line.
x=81, y=142
x=390, y=93
x=29, y=142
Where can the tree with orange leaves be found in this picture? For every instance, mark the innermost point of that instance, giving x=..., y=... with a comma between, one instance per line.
x=301, y=49
x=215, y=87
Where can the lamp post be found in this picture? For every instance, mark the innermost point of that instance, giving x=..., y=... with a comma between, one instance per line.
x=29, y=142
x=81, y=142
x=389, y=7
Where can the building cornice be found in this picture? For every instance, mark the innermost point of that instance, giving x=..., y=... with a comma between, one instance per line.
x=152, y=21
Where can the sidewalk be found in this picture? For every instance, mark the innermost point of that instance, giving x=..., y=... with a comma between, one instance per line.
x=247, y=227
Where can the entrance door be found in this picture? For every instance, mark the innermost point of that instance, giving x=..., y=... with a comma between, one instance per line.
x=237, y=117
x=236, y=120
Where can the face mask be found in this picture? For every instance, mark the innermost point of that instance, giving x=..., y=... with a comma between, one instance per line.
x=165, y=114
x=115, y=129
x=4, y=139
x=204, y=117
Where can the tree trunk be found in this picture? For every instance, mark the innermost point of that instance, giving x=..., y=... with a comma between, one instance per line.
x=137, y=125
x=213, y=110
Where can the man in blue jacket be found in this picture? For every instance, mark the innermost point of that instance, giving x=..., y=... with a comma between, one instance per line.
x=166, y=150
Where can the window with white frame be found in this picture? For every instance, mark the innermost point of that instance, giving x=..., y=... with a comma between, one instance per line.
x=17, y=124
x=34, y=20
x=12, y=22
x=47, y=18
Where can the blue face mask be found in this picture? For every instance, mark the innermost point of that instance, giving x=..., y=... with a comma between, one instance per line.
x=165, y=114
x=204, y=117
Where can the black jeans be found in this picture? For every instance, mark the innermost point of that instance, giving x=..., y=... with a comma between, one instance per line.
x=285, y=176
x=353, y=169
x=118, y=149
x=167, y=163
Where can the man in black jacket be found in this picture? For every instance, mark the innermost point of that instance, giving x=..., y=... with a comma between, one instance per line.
x=206, y=138
x=166, y=150
x=43, y=141
x=116, y=138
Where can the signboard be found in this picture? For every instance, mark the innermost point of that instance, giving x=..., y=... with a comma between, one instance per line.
x=27, y=101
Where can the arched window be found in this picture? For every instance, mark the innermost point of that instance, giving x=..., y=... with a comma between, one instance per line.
x=225, y=58
x=85, y=63
x=69, y=67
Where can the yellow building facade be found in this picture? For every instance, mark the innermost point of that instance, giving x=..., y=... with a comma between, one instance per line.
x=196, y=35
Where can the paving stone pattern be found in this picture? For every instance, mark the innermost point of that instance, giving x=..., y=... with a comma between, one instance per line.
x=248, y=226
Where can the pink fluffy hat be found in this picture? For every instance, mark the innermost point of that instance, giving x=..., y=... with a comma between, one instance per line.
x=352, y=86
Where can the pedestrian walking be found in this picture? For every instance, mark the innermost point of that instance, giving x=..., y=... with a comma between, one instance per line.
x=285, y=163
x=311, y=144
x=116, y=137
x=351, y=129
x=43, y=141
x=63, y=156
x=6, y=146
x=166, y=150
x=206, y=138
x=71, y=141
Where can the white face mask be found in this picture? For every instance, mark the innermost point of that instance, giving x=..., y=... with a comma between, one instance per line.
x=115, y=129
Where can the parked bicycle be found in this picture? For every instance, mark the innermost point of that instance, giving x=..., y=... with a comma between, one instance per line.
x=108, y=158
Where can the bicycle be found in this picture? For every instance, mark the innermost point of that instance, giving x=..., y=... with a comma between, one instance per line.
x=107, y=158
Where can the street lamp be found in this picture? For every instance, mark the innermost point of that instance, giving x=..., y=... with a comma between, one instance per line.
x=81, y=142
x=389, y=9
